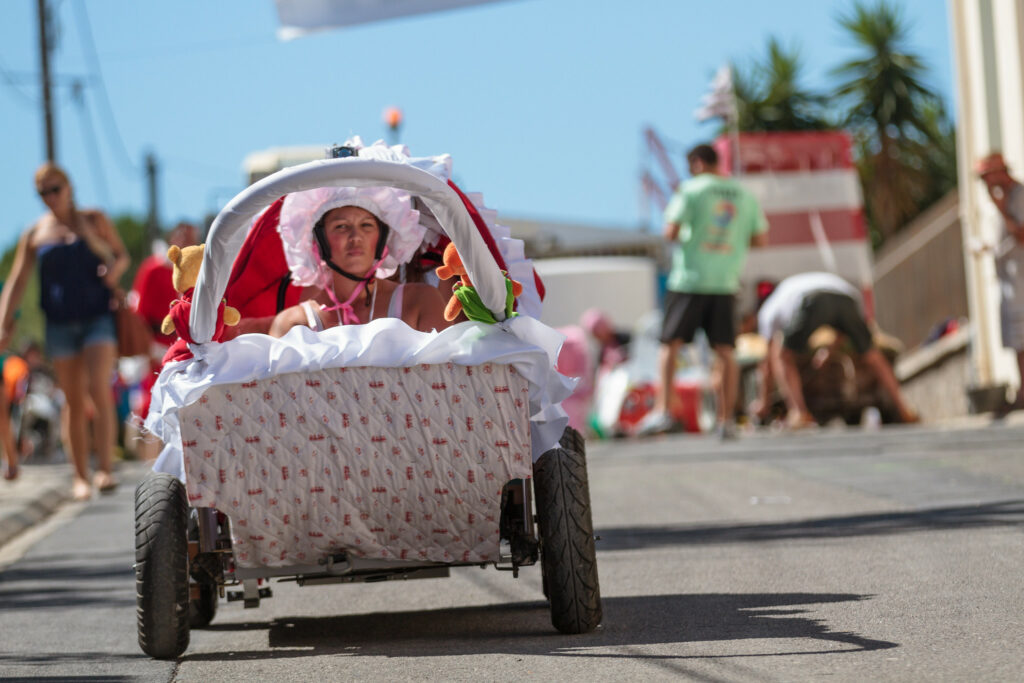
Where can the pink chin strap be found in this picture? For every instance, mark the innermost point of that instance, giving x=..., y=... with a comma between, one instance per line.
x=348, y=314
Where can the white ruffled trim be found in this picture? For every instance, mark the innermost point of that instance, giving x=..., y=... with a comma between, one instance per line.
x=411, y=229
x=301, y=211
x=525, y=343
x=440, y=165
x=513, y=251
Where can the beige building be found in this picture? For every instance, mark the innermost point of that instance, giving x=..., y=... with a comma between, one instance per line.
x=554, y=239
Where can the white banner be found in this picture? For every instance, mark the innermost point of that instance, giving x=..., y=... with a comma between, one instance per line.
x=299, y=17
x=720, y=101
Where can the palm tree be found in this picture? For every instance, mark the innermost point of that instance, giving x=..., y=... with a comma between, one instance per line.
x=889, y=107
x=769, y=96
x=939, y=150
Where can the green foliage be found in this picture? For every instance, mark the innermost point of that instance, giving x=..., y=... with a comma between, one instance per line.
x=938, y=152
x=28, y=319
x=884, y=86
x=133, y=233
x=906, y=143
x=769, y=96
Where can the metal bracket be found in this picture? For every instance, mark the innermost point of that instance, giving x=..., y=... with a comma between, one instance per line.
x=251, y=593
x=207, y=520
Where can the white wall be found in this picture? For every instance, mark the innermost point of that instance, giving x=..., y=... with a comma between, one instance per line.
x=623, y=287
x=990, y=117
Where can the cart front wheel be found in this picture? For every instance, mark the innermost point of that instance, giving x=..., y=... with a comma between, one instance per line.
x=161, y=566
x=568, y=557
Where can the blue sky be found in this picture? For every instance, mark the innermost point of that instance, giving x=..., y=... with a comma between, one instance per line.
x=540, y=102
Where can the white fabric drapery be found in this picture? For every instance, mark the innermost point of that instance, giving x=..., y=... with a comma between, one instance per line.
x=522, y=341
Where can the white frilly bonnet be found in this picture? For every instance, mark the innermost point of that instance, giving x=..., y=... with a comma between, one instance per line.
x=301, y=211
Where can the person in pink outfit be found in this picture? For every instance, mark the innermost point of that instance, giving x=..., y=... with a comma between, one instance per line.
x=574, y=360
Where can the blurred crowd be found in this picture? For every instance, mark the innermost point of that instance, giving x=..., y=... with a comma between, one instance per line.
x=77, y=397
x=806, y=355
x=365, y=259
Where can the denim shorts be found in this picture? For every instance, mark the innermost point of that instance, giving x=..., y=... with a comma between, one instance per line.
x=69, y=338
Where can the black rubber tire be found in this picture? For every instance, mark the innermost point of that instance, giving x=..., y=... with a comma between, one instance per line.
x=202, y=611
x=161, y=566
x=568, y=556
x=572, y=440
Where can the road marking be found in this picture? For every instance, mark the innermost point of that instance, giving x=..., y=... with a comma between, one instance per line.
x=770, y=500
x=16, y=548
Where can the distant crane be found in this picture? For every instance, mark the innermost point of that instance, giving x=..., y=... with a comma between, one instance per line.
x=655, y=190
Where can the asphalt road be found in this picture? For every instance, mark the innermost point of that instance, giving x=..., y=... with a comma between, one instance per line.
x=891, y=555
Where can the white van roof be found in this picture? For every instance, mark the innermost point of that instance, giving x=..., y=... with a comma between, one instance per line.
x=260, y=164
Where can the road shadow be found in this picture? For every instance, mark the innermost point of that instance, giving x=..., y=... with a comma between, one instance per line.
x=88, y=665
x=57, y=583
x=1002, y=514
x=525, y=629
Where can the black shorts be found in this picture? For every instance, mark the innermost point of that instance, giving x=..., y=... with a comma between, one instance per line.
x=827, y=308
x=685, y=312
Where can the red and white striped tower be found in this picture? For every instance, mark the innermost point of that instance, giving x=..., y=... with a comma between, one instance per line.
x=808, y=187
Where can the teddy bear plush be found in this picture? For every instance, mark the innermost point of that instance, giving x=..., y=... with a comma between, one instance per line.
x=185, y=264
x=464, y=296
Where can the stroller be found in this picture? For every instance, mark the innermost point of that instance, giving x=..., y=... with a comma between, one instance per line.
x=364, y=452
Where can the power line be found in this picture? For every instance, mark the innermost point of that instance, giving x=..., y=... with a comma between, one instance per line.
x=111, y=121
x=190, y=48
x=10, y=79
x=197, y=165
x=78, y=97
x=61, y=80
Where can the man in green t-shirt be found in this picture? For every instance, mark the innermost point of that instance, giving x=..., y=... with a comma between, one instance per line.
x=711, y=221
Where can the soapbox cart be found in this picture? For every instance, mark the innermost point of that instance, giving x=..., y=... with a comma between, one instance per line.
x=361, y=453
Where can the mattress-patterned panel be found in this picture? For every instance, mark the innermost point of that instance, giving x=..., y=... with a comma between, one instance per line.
x=391, y=463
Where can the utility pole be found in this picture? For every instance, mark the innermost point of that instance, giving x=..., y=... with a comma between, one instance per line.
x=152, y=220
x=44, y=62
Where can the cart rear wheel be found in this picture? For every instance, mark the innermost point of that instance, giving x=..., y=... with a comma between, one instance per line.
x=568, y=557
x=202, y=611
x=161, y=566
x=571, y=440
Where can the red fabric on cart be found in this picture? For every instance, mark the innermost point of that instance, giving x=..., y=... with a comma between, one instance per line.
x=260, y=268
x=180, y=312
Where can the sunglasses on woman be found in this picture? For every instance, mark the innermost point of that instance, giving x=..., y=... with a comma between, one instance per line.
x=45, y=192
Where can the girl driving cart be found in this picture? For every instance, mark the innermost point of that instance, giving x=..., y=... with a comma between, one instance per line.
x=374, y=449
x=342, y=243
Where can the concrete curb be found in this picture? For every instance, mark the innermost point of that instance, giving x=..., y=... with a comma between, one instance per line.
x=34, y=496
x=41, y=489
